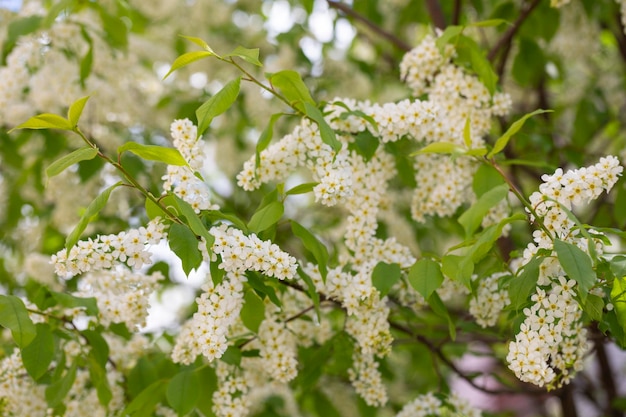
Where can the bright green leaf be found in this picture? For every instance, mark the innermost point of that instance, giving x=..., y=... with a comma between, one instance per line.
x=290, y=84
x=439, y=147
x=512, y=130
x=472, y=218
x=57, y=390
x=313, y=245
x=439, y=308
x=186, y=59
x=618, y=298
x=92, y=210
x=524, y=284
x=326, y=132
x=486, y=178
x=85, y=153
x=45, y=121
x=448, y=34
x=38, y=355
x=594, y=306
x=467, y=133
x=194, y=222
x=266, y=217
x=458, y=268
x=184, y=244
x=169, y=156
x=384, y=276
x=307, y=187
x=266, y=137
x=425, y=277
x=144, y=403
x=201, y=43
x=253, y=311
x=99, y=379
x=71, y=301
x=248, y=55
x=216, y=105
x=99, y=346
x=232, y=356
x=86, y=65
x=76, y=110
x=183, y=392
x=577, y=265
x=14, y=316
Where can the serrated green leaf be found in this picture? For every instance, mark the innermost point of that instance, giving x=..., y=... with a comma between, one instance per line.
x=248, y=55
x=439, y=147
x=38, y=355
x=81, y=154
x=183, y=392
x=425, y=277
x=218, y=104
x=326, y=132
x=92, y=210
x=186, y=59
x=524, y=284
x=184, y=244
x=71, y=301
x=307, y=187
x=76, y=110
x=253, y=311
x=292, y=87
x=512, y=130
x=385, y=276
x=45, y=121
x=266, y=217
x=144, y=403
x=169, y=156
x=577, y=265
x=313, y=245
x=14, y=316
x=57, y=390
x=472, y=218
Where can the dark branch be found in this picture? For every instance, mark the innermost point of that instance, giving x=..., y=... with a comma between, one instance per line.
x=456, y=13
x=510, y=33
x=348, y=11
x=436, y=14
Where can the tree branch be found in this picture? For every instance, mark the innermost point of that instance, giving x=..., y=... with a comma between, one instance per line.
x=436, y=14
x=348, y=11
x=510, y=33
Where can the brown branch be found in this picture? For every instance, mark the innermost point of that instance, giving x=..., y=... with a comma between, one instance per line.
x=510, y=33
x=456, y=13
x=606, y=376
x=348, y=11
x=436, y=14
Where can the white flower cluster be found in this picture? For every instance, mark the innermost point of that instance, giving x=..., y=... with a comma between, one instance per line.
x=549, y=347
x=105, y=251
x=303, y=147
x=427, y=405
x=552, y=340
x=231, y=398
x=489, y=301
x=366, y=379
x=242, y=253
x=122, y=295
x=205, y=333
x=181, y=179
x=278, y=350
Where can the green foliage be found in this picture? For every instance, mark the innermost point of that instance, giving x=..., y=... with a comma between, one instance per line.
x=217, y=105
x=154, y=153
x=385, y=276
x=14, y=316
x=425, y=276
x=577, y=265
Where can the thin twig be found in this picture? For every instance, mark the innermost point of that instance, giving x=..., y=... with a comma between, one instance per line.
x=508, y=35
x=397, y=42
x=436, y=14
x=456, y=13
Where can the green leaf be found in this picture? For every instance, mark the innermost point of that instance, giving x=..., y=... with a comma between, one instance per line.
x=257, y=281
x=99, y=379
x=215, y=215
x=216, y=105
x=483, y=69
x=486, y=178
x=313, y=245
x=529, y=64
x=85, y=153
x=489, y=22
x=194, y=222
x=14, y=316
x=618, y=298
x=232, y=356
x=21, y=27
x=425, y=277
x=577, y=265
x=57, y=390
x=266, y=217
x=366, y=144
x=144, y=403
x=311, y=291
x=266, y=137
x=153, y=210
x=71, y=301
x=524, y=284
x=458, y=268
x=141, y=376
x=200, y=42
x=248, y=55
x=45, y=121
x=253, y=311
x=326, y=132
x=183, y=392
x=290, y=83
x=384, y=276
x=86, y=65
x=513, y=129
x=76, y=110
x=38, y=355
x=184, y=244
x=115, y=29
x=439, y=308
x=594, y=306
x=472, y=218
x=169, y=156
x=313, y=366
x=186, y=59
x=307, y=187
x=448, y=35
x=92, y=210
x=618, y=265
x=439, y=147
x=467, y=133
x=99, y=346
